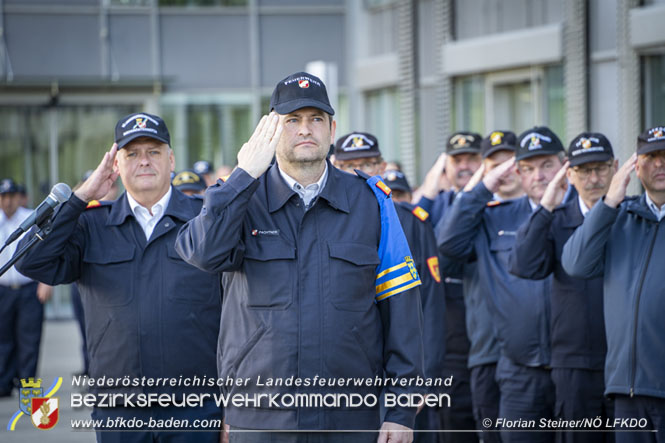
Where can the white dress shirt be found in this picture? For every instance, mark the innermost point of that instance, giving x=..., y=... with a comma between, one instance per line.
x=583, y=207
x=8, y=225
x=149, y=219
x=309, y=192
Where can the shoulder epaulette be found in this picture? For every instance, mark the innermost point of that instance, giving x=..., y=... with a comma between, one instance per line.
x=493, y=203
x=384, y=187
x=97, y=204
x=420, y=213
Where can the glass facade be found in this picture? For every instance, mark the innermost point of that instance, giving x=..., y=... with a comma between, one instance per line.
x=74, y=137
x=510, y=100
x=383, y=120
x=212, y=132
x=653, y=93
x=469, y=104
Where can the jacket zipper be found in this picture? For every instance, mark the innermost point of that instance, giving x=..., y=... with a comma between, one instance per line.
x=637, y=306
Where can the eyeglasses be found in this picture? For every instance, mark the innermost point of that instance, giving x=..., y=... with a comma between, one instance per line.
x=601, y=170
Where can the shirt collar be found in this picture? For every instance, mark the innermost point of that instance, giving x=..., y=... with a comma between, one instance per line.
x=532, y=204
x=292, y=182
x=309, y=192
x=583, y=207
x=659, y=212
x=156, y=210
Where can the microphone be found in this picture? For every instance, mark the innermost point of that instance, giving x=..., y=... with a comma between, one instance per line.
x=60, y=193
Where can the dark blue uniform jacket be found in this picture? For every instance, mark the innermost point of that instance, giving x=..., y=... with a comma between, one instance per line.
x=484, y=347
x=577, y=325
x=147, y=312
x=625, y=246
x=457, y=342
x=299, y=296
x=520, y=308
x=422, y=243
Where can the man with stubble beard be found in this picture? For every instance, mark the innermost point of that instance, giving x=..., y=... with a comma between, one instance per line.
x=478, y=226
x=454, y=169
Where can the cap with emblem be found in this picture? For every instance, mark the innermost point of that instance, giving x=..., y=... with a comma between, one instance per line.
x=589, y=147
x=463, y=143
x=356, y=145
x=138, y=125
x=539, y=140
x=396, y=180
x=498, y=141
x=188, y=180
x=8, y=186
x=651, y=140
x=203, y=167
x=300, y=90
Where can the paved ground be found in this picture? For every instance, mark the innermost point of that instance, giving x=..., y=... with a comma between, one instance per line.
x=60, y=357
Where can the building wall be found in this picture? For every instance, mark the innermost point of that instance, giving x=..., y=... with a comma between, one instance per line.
x=592, y=65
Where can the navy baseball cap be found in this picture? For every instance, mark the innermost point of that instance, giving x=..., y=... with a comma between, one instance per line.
x=396, y=180
x=589, y=147
x=498, y=141
x=188, y=180
x=8, y=186
x=651, y=140
x=300, y=90
x=141, y=124
x=463, y=143
x=539, y=140
x=203, y=167
x=356, y=145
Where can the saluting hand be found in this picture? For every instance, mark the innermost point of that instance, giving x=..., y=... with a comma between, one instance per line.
x=100, y=181
x=619, y=183
x=475, y=178
x=495, y=177
x=556, y=189
x=394, y=433
x=255, y=155
x=431, y=184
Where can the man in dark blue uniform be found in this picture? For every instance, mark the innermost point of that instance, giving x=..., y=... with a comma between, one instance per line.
x=21, y=301
x=455, y=168
x=204, y=169
x=360, y=151
x=189, y=182
x=148, y=313
x=476, y=225
x=577, y=326
x=318, y=278
x=484, y=352
x=621, y=240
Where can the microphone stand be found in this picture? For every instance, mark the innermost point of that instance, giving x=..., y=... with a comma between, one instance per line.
x=40, y=235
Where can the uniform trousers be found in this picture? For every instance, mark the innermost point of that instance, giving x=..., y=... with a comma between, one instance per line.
x=21, y=317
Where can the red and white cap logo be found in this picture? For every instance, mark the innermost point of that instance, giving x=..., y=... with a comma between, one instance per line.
x=303, y=83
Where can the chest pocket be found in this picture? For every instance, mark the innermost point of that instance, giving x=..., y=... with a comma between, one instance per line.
x=352, y=271
x=110, y=274
x=270, y=272
x=503, y=241
x=184, y=283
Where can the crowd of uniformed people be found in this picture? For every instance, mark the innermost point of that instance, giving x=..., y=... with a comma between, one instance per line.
x=518, y=266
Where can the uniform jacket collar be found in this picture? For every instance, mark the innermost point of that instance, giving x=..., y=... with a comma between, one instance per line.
x=278, y=192
x=639, y=206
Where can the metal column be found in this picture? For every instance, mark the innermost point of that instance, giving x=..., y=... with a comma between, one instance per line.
x=575, y=67
x=407, y=50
